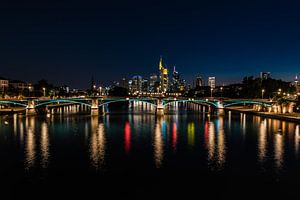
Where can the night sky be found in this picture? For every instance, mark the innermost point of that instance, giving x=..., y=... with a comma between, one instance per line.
x=68, y=42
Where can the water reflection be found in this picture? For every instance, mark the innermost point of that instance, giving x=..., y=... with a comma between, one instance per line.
x=211, y=142
x=221, y=143
x=215, y=143
x=243, y=122
x=229, y=119
x=127, y=137
x=158, y=143
x=44, y=144
x=297, y=140
x=262, y=141
x=269, y=141
x=15, y=123
x=97, y=143
x=30, y=151
x=174, y=137
x=278, y=150
x=191, y=134
x=21, y=131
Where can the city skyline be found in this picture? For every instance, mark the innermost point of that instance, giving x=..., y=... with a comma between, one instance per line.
x=192, y=81
x=110, y=40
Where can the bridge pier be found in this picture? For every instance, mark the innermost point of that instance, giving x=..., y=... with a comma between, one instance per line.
x=104, y=109
x=94, y=107
x=30, y=108
x=48, y=110
x=159, y=108
x=220, y=108
x=220, y=111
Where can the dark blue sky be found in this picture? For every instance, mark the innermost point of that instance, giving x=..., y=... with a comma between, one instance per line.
x=68, y=42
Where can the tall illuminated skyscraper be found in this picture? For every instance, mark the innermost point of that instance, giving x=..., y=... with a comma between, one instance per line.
x=212, y=82
x=153, y=83
x=163, y=77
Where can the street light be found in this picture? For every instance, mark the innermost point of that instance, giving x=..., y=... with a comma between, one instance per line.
x=279, y=91
x=44, y=89
x=211, y=91
x=262, y=93
x=29, y=90
x=221, y=91
x=100, y=90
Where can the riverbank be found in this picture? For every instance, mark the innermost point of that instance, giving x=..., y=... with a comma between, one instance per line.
x=293, y=117
x=7, y=111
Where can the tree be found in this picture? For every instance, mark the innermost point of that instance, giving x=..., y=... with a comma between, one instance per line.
x=118, y=91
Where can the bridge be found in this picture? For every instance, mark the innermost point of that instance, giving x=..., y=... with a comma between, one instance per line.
x=99, y=104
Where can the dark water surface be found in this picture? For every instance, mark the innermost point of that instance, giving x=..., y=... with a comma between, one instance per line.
x=142, y=156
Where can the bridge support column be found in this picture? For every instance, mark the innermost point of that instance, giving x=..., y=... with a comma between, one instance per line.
x=94, y=107
x=159, y=108
x=30, y=109
x=48, y=111
x=220, y=111
x=104, y=109
x=220, y=108
x=209, y=109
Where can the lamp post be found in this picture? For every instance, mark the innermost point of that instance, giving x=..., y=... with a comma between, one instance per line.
x=44, y=90
x=29, y=90
x=211, y=91
x=221, y=91
x=262, y=93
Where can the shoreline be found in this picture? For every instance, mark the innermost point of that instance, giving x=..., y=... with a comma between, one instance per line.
x=286, y=117
x=12, y=111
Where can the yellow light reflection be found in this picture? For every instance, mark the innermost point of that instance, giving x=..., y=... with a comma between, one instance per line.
x=21, y=130
x=221, y=142
x=278, y=150
x=297, y=139
x=15, y=123
x=97, y=144
x=30, y=151
x=211, y=141
x=262, y=141
x=158, y=144
x=44, y=144
x=229, y=119
x=191, y=134
x=243, y=122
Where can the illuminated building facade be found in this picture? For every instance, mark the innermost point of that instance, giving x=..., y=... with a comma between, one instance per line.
x=153, y=83
x=199, y=82
x=177, y=84
x=212, y=82
x=163, y=77
x=3, y=84
x=136, y=85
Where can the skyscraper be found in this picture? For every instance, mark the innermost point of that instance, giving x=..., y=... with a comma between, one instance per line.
x=212, y=82
x=175, y=81
x=136, y=85
x=163, y=77
x=199, y=81
x=124, y=83
x=153, y=82
x=265, y=75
